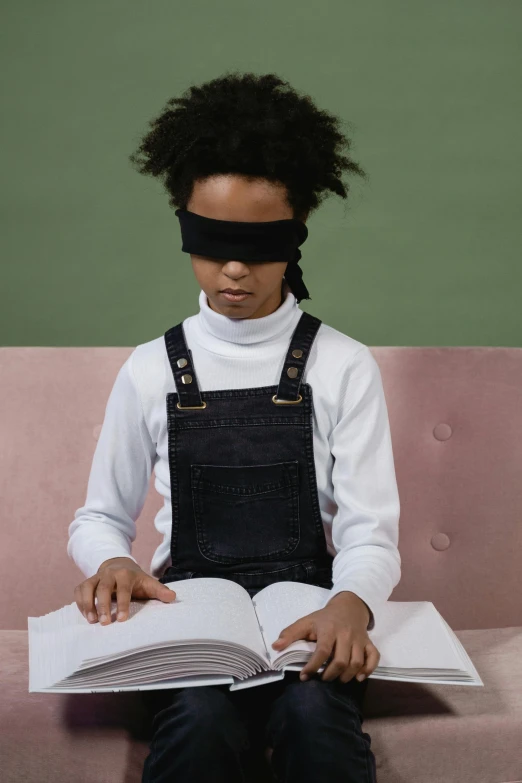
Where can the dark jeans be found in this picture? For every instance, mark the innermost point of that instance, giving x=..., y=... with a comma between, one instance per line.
x=214, y=735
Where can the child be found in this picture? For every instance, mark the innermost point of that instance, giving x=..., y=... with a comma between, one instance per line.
x=269, y=436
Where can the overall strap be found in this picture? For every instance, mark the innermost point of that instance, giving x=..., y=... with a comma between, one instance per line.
x=295, y=361
x=180, y=358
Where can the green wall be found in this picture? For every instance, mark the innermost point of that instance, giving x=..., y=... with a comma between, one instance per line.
x=427, y=252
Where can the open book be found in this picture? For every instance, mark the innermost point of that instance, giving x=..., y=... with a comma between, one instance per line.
x=215, y=633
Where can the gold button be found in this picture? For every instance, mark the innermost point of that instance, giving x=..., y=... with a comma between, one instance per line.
x=182, y=362
x=292, y=372
x=186, y=378
x=297, y=353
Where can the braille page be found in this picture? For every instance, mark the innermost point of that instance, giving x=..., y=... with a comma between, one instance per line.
x=205, y=609
x=281, y=604
x=415, y=643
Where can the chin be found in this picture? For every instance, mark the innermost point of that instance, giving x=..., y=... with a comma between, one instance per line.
x=230, y=309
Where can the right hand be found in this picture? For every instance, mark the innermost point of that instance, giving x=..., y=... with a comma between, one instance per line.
x=122, y=576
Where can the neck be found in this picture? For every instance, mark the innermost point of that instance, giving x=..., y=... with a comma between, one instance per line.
x=221, y=334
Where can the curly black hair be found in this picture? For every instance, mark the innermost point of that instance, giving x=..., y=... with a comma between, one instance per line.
x=254, y=125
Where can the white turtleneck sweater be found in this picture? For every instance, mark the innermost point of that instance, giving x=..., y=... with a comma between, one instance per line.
x=355, y=471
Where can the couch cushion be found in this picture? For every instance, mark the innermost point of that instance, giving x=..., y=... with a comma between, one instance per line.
x=455, y=417
x=89, y=738
x=419, y=733
x=453, y=733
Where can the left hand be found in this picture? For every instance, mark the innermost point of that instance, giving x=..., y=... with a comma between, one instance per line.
x=339, y=629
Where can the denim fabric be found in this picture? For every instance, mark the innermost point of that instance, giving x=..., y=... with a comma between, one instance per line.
x=245, y=507
x=214, y=735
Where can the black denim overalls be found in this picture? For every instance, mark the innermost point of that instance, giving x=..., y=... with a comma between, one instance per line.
x=244, y=495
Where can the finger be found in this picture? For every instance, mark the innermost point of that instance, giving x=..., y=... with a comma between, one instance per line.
x=147, y=586
x=162, y=592
x=321, y=653
x=342, y=663
x=104, y=591
x=355, y=663
x=373, y=657
x=78, y=598
x=124, y=583
x=292, y=633
x=86, y=590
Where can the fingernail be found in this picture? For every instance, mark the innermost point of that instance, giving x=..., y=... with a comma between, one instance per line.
x=361, y=677
x=91, y=617
x=103, y=617
x=121, y=615
x=304, y=676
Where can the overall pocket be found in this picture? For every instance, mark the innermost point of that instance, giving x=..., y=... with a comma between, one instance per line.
x=246, y=512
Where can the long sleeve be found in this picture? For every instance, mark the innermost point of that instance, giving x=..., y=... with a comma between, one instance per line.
x=365, y=529
x=119, y=479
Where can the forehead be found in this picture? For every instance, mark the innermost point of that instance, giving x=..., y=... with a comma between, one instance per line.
x=240, y=198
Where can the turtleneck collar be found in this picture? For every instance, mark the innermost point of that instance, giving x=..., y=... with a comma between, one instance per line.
x=216, y=326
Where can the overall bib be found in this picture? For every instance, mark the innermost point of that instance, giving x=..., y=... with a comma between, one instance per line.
x=245, y=507
x=244, y=495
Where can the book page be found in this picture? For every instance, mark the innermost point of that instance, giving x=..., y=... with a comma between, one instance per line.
x=281, y=604
x=411, y=636
x=207, y=609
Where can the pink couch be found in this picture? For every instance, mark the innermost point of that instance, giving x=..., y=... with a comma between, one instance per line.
x=456, y=419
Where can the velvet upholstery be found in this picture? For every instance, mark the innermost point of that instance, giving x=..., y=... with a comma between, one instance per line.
x=456, y=421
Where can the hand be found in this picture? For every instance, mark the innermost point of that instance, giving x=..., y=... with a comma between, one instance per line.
x=122, y=576
x=339, y=629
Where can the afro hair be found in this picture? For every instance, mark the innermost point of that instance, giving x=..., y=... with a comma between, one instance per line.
x=251, y=125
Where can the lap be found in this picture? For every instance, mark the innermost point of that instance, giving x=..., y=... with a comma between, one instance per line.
x=255, y=706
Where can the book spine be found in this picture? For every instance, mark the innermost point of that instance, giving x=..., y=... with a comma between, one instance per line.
x=269, y=657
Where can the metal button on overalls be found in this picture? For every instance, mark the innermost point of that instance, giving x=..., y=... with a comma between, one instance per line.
x=244, y=495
